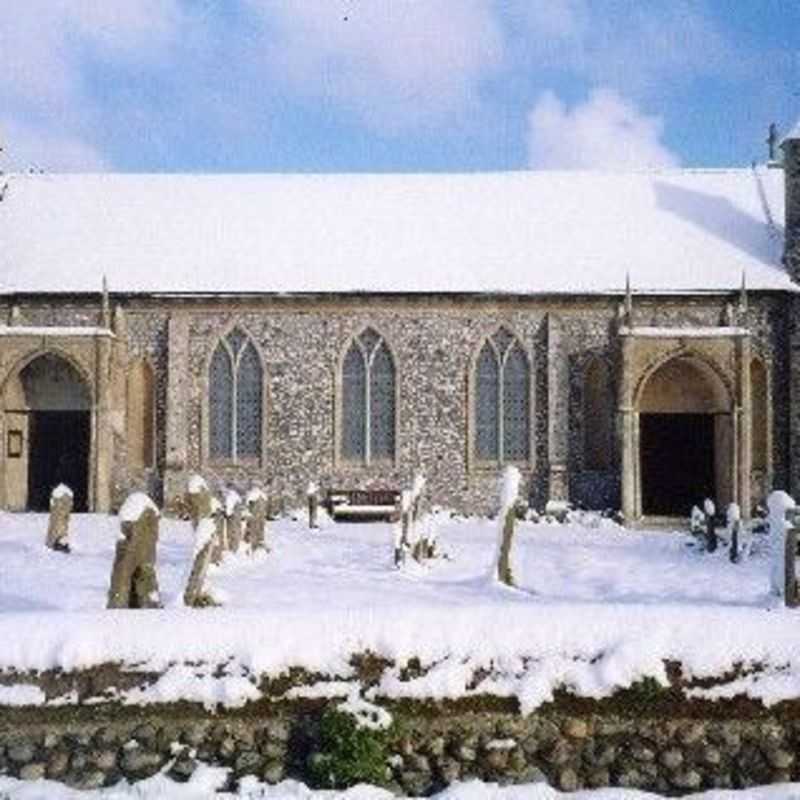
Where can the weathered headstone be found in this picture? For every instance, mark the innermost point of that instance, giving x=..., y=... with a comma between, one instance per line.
x=416, y=495
x=234, y=520
x=402, y=536
x=134, y=582
x=783, y=544
x=312, y=495
x=198, y=499
x=734, y=532
x=711, y=532
x=697, y=521
x=58, y=524
x=220, y=530
x=195, y=594
x=507, y=518
x=255, y=530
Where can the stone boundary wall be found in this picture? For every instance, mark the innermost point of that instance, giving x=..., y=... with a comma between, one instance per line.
x=572, y=743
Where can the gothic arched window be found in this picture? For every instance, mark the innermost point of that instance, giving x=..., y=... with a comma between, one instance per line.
x=235, y=399
x=368, y=400
x=502, y=400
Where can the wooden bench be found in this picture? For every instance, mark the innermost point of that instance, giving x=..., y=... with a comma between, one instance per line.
x=362, y=504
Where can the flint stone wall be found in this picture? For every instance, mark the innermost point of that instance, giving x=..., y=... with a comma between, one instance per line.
x=433, y=341
x=89, y=748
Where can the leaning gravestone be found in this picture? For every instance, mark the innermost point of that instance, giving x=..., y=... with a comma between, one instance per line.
x=134, y=582
x=58, y=524
x=198, y=498
x=195, y=594
x=507, y=518
x=257, y=504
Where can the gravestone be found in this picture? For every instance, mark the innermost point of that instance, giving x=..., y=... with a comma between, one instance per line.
x=507, y=519
x=734, y=532
x=234, y=520
x=255, y=529
x=312, y=495
x=134, y=582
x=711, y=531
x=198, y=499
x=783, y=544
x=220, y=530
x=195, y=594
x=58, y=523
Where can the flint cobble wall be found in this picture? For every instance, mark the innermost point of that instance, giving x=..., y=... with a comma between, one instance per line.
x=434, y=342
x=426, y=752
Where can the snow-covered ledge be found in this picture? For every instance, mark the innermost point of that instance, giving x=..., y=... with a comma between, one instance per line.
x=684, y=333
x=45, y=330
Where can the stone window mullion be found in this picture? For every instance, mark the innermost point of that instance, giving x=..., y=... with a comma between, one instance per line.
x=368, y=407
x=501, y=407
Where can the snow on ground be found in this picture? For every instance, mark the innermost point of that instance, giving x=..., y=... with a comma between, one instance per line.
x=207, y=780
x=598, y=608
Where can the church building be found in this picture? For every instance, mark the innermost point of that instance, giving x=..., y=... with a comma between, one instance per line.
x=627, y=339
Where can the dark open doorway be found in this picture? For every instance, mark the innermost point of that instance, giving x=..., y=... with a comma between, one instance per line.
x=677, y=459
x=59, y=453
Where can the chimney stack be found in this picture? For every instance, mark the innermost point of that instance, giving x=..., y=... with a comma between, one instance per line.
x=791, y=177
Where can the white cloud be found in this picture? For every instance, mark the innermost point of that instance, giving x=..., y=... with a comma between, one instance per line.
x=396, y=63
x=643, y=49
x=30, y=147
x=605, y=132
x=44, y=101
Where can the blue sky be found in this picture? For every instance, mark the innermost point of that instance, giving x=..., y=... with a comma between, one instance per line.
x=341, y=85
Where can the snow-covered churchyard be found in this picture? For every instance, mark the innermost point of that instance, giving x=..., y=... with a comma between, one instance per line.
x=561, y=648
x=622, y=341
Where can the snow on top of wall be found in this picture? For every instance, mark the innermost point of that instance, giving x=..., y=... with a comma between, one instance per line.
x=51, y=330
x=135, y=505
x=517, y=232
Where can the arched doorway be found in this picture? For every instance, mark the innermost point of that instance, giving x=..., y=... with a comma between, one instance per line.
x=58, y=406
x=685, y=438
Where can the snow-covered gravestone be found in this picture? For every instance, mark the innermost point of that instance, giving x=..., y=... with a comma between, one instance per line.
x=220, y=530
x=234, y=520
x=734, y=531
x=416, y=495
x=711, y=532
x=402, y=529
x=198, y=498
x=697, y=521
x=256, y=502
x=134, y=582
x=507, y=518
x=195, y=594
x=783, y=546
x=58, y=524
x=312, y=495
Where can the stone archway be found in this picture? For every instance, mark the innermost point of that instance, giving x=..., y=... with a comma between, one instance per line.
x=48, y=404
x=686, y=435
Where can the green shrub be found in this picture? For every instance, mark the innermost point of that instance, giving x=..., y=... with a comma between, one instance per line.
x=347, y=754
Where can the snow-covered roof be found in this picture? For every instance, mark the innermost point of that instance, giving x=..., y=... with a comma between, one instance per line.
x=518, y=232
